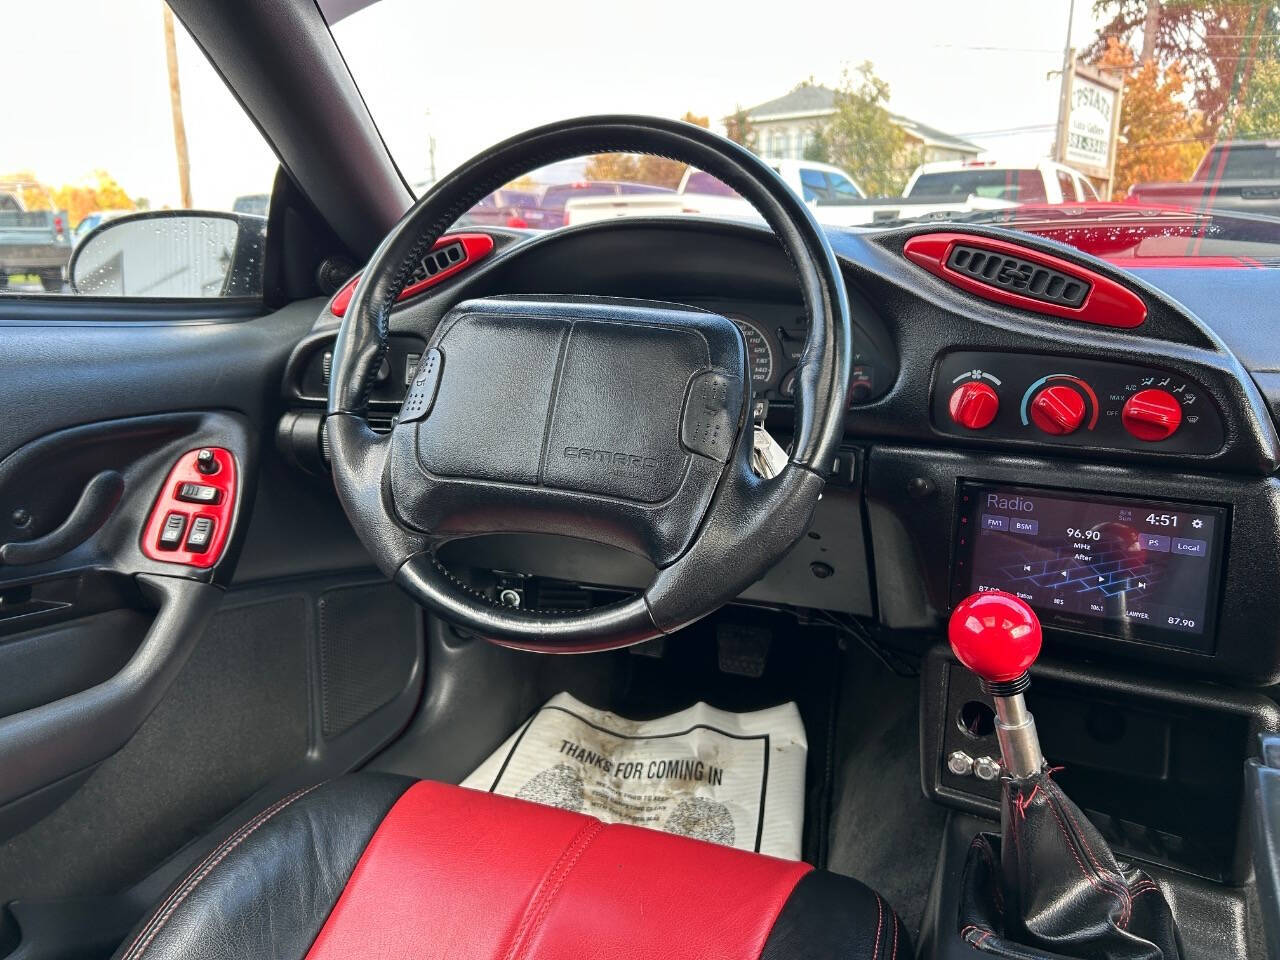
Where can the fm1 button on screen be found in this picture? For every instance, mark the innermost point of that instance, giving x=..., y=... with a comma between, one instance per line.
x=201, y=534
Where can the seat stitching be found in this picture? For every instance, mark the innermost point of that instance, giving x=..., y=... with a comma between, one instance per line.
x=896, y=924
x=875, y=948
x=202, y=871
x=548, y=888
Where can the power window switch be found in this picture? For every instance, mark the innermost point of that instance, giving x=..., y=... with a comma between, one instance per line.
x=199, y=493
x=175, y=525
x=201, y=534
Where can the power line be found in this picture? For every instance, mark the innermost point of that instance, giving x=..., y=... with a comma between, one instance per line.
x=1029, y=128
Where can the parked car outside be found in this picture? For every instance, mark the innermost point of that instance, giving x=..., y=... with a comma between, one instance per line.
x=1241, y=175
x=32, y=242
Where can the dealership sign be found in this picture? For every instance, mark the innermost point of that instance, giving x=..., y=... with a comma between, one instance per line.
x=1090, y=122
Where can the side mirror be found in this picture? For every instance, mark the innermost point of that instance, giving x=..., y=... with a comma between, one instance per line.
x=172, y=253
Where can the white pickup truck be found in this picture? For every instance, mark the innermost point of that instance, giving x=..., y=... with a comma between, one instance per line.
x=935, y=191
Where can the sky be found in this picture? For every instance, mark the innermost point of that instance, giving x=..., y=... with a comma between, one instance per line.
x=468, y=74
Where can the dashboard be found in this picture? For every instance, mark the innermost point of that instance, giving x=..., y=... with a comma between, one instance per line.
x=1115, y=465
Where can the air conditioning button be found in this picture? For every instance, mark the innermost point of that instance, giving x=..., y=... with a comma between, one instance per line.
x=974, y=405
x=1151, y=415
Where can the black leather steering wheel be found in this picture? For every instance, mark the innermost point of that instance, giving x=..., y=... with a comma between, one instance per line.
x=620, y=421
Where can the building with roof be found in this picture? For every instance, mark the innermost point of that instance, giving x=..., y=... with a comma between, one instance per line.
x=785, y=127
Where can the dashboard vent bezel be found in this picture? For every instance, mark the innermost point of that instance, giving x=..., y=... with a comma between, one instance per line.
x=1105, y=302
x=1018, y=275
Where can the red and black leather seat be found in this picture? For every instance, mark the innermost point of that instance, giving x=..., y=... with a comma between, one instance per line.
x=379, y=867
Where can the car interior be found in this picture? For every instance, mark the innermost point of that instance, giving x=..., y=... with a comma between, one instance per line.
x=281, y=569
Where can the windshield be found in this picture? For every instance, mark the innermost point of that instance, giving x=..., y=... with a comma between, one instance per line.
x=979, y=112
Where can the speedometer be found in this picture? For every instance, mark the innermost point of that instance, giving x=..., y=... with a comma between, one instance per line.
x=759, y=352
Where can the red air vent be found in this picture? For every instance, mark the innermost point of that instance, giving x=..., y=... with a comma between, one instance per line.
x=451, y=253
x=1018, y=276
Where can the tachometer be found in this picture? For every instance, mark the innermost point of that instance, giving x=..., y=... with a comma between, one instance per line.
x=759, y=352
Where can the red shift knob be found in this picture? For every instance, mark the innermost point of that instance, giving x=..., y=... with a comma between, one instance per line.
x=995, y=635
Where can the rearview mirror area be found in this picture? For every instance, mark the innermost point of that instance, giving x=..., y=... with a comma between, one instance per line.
x=180, y=254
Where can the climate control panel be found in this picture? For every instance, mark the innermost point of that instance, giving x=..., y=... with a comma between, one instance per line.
x=1073, y=401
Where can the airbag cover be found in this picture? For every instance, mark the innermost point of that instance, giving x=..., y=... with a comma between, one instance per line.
x=566, y=401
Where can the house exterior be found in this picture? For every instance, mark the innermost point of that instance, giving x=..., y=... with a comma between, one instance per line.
x=785, y=127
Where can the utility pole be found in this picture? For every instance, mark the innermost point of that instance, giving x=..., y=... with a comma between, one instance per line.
x=1059, y=148
x=175, y=103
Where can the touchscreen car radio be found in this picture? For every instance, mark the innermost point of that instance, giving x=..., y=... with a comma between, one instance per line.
x=1138, y=569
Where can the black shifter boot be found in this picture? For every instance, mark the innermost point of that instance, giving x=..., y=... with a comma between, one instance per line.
x=1053, y=888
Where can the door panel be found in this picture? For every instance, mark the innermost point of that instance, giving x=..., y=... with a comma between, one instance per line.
x=116, y=665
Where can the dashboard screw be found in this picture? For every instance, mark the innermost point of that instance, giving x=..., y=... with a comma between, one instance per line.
x=21, y=517
x=960, y=763
x=920, y=487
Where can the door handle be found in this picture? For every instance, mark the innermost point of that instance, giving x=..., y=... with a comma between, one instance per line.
x=100, y=496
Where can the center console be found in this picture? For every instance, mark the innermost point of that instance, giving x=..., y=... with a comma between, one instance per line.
x=1164, y=571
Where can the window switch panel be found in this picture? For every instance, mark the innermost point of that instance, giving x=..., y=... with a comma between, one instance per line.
x=198, y=493
x=175, y=525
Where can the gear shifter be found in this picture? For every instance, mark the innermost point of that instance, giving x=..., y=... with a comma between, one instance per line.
x=1059, y=890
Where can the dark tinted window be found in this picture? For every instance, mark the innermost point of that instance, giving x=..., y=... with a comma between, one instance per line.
x=1066, y=186
x=1242, y=163
x=556, y=197
x=1021, y=186
x=699, y=182
x=8, y=203
x=842, y=188
x=815, y=185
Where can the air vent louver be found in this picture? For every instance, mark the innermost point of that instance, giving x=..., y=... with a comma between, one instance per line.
x=1019, y=276
x=438, y=260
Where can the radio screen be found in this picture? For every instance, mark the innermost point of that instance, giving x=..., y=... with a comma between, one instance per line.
x=1138, y=569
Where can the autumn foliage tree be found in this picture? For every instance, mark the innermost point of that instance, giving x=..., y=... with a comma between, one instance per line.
x=98, y=191
x=641, y=168
x=1219, y=45
x=1162, y=137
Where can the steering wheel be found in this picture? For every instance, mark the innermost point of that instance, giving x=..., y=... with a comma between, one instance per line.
x=620, y=421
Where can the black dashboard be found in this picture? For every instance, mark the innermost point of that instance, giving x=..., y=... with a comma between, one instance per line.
x=954, y=398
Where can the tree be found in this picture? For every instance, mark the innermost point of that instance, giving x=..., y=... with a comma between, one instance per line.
x=1218, y=44
x=1161, y=139
x=1259, y=117
x=99, y=191
x=641, y=167
x=738, y=128
x=862, y=138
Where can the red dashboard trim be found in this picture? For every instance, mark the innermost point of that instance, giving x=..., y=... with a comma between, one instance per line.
x=475, y=246
x=1107, y=304
x=222, y=512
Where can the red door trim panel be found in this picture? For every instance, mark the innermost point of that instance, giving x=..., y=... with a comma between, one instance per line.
x=1108, y=303
x=221, y=513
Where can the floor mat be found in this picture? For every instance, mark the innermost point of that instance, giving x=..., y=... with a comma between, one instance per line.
x=730, y=778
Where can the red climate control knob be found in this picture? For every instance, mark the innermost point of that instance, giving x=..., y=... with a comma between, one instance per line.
x=995, y=635
x=973, y=405
x=1057, y=409
x=1151, y=415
